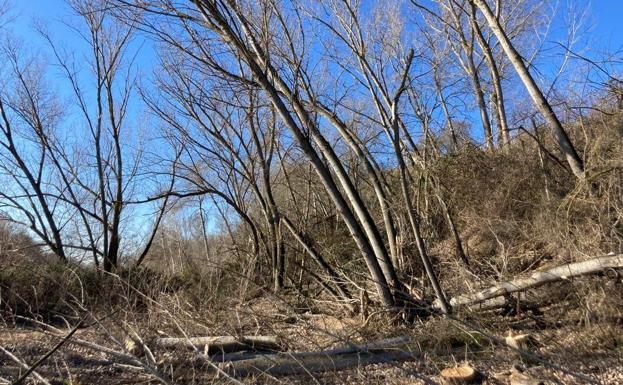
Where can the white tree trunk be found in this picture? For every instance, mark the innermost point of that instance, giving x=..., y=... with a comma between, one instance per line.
x=537, y=96
x=539, y=278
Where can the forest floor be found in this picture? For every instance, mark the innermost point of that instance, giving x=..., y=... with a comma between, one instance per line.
x=569, y=345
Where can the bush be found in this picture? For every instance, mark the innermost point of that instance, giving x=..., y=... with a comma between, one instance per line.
x=52, y=291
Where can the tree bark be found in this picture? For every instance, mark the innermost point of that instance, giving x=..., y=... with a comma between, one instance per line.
x=224, y=344
x=567, y=148
x=539, y=278
x=469, y=66
x=310, y=362
x=376, y=178
x=498, y=95
x=270, y=81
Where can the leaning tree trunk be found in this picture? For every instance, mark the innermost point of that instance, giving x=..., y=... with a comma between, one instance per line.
x=392, y=129
x=480, y=99
x=413, y=218
x=376, y=178
x=274, y=86
x=326, y=268
x=369, y=233
x=567, y=148
x=469, y=66
x=498, y=95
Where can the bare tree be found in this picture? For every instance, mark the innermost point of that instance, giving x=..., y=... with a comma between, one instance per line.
x=459, y=33
x=564, y=142
x=73, y=199
x=386, y=102
x=497, y=96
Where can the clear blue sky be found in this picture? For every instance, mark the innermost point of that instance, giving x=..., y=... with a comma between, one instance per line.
x=608, y=19
x=605, y=20
x=604, y=23
x=606, y=16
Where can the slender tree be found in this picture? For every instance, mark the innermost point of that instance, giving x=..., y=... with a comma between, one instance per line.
x=544, y=107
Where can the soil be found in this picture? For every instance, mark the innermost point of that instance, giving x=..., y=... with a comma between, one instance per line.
x=592, y=350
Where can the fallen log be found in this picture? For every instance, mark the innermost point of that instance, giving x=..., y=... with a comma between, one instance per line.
x=354, y=348
x=230, y=357
x=224, y=344
x=284, y=365
x=538, y=278
x=395, y=349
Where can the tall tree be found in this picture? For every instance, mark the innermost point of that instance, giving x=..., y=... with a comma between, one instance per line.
x=541, y=103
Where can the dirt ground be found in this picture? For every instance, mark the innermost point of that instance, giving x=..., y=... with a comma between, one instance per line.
x=594, y=351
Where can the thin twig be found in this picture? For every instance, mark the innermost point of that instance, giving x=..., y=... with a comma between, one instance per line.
x=24, y=365
x=48, y=354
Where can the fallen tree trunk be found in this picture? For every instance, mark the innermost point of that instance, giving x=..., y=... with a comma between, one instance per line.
x=559, y=273
x=283, y=365
x=394, y=349
x=225, y=344
x=371, y=346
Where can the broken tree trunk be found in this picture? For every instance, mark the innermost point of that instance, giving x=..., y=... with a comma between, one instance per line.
x=539, y=278
x=224, y=344
x=393, y=349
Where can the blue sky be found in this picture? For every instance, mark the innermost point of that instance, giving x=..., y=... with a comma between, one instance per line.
x=603, y=22
x=606, y=17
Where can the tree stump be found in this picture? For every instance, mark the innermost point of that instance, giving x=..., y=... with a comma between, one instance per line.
x=464, y=374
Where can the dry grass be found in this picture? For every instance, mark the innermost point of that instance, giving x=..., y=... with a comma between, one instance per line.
x=579, y=329
x=515, y=214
